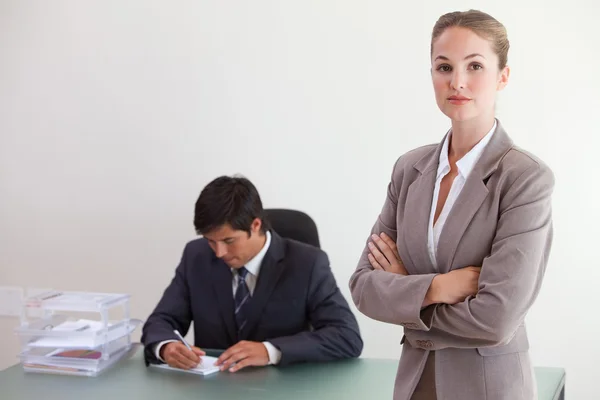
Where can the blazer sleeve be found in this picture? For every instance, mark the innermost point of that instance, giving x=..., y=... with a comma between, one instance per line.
x=172, y=312
x=385, y=296
x=335, y=333
x=510, y=277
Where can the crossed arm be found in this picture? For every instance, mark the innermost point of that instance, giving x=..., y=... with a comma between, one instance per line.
x=469, y=307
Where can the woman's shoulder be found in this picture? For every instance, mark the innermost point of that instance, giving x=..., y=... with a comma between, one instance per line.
x=521, y=171
x=414, y=156
x=520, y=156
x=417, y=154
x=518, y=161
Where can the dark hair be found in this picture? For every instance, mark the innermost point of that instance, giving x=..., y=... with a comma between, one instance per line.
x=229, y=200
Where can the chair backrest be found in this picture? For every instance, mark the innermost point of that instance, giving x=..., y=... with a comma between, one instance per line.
x=293, y=224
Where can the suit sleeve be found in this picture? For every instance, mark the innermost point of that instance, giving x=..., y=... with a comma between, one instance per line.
x=385, y=296
x=510, y=277
x=335, y=333
x=172, y=312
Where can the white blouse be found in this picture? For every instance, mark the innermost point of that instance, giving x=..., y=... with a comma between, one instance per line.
x=465, y=166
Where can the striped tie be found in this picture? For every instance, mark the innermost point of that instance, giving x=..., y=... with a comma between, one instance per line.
x=242, y=299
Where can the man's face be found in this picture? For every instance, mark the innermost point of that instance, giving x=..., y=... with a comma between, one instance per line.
x=236, y=247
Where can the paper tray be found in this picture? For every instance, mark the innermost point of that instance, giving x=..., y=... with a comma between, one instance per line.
x=78, y=370
x=40, y=333
x=76, y=358
x=75, y=301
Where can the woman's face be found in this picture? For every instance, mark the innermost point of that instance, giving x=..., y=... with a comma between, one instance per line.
x=465, y=74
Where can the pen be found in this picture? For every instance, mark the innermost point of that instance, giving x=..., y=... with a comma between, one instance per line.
x=183, y=340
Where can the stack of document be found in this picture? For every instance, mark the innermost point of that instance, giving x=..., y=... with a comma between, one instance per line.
x=58, y=343
x=81, y=346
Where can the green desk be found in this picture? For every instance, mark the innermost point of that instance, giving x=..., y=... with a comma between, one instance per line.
x=130, y=379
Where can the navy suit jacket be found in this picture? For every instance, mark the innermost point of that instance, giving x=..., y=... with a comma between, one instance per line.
x=296, y=305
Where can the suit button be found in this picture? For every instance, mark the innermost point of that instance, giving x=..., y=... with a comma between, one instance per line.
x=426, y=344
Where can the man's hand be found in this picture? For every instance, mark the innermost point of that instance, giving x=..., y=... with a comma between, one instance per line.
x=455, y=286
x=178, y=356
x=243, y=354
x=384, y=255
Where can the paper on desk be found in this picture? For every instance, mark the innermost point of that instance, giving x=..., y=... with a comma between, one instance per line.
x=206, y=367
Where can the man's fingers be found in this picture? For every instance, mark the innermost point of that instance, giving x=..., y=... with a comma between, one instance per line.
x=199, y=352
x=230, y=355
x=226, y=354
x=241, y=364
x=222, y=358
x=189, y=355
x=180, y=348
x=183, y=364
x=180, y=361
x=189, y=358
x=235, y=358
x=184, y=357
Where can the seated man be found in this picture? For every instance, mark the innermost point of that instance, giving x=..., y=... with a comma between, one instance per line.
x=263, y=298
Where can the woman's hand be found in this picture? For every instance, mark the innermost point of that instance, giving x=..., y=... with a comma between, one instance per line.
x=384, y=255
x=454, y=287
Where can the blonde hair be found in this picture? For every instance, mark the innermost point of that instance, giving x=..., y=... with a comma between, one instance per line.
x=482, y=24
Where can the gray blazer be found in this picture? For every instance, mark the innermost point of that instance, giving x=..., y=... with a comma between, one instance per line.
x=502, y=221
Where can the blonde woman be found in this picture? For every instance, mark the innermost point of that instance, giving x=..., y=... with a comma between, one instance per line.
x=458, y=253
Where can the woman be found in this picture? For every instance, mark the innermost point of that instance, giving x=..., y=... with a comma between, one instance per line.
x=458, y=253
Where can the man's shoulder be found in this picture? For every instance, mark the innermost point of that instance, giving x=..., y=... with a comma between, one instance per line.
x=197, y=247
x=301, y=253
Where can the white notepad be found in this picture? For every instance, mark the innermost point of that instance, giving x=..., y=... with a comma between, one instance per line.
x=206, y=367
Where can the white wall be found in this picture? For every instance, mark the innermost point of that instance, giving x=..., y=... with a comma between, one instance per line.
x=114, y=115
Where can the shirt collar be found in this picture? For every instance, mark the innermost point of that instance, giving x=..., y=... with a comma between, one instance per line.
x=253, y=266
x=444, y=163
x=467, y=162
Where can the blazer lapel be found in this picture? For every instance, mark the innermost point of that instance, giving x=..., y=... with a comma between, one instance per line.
x=468, y=202
x=270, y=271
x=417, y=212
x=222, y=277
x=471, y=198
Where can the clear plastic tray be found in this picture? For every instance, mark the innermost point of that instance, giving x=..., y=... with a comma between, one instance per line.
x=45, y=332
x=89, y=359
x=80, y=370
x=75, y=301
x=75, y=333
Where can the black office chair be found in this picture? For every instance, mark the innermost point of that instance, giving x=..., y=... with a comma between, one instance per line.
x=293, y=224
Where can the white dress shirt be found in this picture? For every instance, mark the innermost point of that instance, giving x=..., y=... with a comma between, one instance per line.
x=465, y=166
x=253, y=267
